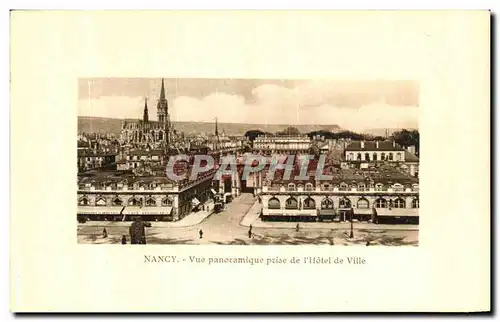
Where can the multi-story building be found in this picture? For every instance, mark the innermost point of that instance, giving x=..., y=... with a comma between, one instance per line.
x=288, y=144
x=135, y=158
x=385, y=194
x=92, y=159
x=104, y=195
x=367, y=153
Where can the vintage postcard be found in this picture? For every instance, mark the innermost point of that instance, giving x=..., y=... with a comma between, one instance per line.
x=280, y=161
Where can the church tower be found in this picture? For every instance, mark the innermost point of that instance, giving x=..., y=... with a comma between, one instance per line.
x=162, y=108
x=145, y=117
x=162, y=112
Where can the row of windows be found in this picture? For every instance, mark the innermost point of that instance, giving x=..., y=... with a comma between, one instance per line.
x=84, y=201
x=327, y=203
x=388, y=157
x=345, y=187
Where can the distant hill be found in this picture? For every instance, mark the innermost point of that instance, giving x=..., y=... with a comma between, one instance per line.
x=110, y=125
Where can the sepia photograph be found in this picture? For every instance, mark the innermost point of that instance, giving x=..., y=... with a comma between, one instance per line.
x=248, y=162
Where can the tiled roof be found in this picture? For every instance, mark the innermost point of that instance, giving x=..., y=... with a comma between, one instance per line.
x=146, y=152
x=410, y=157
x=372, y=146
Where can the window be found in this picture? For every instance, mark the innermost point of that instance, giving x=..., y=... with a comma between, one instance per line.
x=390, y=156
x=359, y=156
x=415, y=203
x=361, y=187
x=415, y=187
x=381, y=203
x=344, y=203
x=363, y=203
x=326, y=187
x=291, y=203
x=343, y=186
x=374, y=156
x=133, y=202
x=100, y=202
x=399, y=157
x=291, y=187
x=399, y=203
x=273, y=203
x=367, y=156
x=84, y=201
x=309, y=187
x=398, y=187
x=309, y=203
x=382, y=156
x=150, y=202
x=379, y=187
x=117, y=202
x=327, y=203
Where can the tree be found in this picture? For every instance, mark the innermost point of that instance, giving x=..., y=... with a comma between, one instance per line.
x=289, y=131
x=407, y=138
x=252, y=134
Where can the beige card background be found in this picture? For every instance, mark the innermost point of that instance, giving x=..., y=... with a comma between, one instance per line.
x=447, y=51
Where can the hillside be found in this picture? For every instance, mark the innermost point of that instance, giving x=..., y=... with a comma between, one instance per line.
x=110, y=125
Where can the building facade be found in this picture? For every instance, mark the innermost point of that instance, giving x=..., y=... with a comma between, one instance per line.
x=282, y=144
x=147, y=133
x=154, y=198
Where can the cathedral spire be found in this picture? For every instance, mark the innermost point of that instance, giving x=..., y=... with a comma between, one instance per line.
x=216, y=129
x=162, y=92
x=146, y=115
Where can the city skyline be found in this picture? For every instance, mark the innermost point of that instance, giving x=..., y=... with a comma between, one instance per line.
x=354, y=105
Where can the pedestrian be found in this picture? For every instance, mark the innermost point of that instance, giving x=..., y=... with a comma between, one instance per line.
x=297, y=227
x=104, y=233
x=124, y=240
x=368, y=243
x=201, y=233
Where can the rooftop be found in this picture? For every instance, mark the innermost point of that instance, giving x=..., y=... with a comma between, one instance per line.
x=373, y=146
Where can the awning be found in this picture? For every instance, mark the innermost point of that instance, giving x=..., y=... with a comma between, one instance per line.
x=147, y=211
x=290, y=212
x=363, y=211
x=89, y=210
x=397, y=212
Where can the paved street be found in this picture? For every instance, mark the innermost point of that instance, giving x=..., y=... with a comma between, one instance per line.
x=224, y=229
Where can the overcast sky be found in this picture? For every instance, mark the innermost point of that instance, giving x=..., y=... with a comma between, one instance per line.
x=355, y=105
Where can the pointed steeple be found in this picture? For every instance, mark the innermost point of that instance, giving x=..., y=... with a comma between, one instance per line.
x=146, y=115
x=162, y=92
x=216, y=129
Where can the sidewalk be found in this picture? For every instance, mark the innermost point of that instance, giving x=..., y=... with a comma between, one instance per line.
x=252, y=218
x=252, y=215
x=192, y=219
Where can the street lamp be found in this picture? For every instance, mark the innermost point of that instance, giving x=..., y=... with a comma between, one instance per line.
x=351, y=233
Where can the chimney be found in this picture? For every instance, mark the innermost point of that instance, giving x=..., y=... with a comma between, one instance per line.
x=362, y=144
x=393, y=144
x=376, y=143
